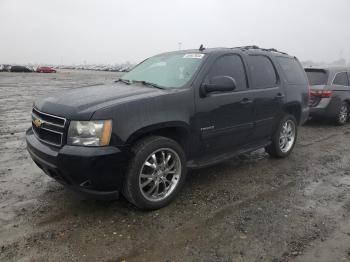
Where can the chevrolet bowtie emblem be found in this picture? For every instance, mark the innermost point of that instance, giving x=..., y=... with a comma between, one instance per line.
x=38, y=123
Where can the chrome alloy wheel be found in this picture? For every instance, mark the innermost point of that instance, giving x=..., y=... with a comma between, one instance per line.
x=160, y=174
x=287, y=136
x=343, y=114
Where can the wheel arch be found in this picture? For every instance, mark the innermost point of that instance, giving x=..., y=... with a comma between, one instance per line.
x=178, y=131
x=294, y=109
x=347, y=101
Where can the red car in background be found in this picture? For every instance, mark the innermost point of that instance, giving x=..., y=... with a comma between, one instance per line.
x=45, y=69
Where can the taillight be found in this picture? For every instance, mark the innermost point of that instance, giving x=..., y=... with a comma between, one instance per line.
x=321, y=93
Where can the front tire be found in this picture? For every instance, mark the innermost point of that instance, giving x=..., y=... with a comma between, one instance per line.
x=284, y=138
x=156, y=173
x=343, y=114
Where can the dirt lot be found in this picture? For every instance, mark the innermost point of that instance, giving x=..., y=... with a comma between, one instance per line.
x=251, y=208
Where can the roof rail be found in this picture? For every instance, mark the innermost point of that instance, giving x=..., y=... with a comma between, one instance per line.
x=255, y=47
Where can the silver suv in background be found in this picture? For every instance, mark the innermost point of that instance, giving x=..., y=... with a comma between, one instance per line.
x=329, y=93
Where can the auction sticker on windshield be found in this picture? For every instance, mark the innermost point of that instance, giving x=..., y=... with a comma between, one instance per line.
x=198, y=56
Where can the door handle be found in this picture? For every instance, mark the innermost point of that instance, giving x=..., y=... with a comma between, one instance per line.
x=245, y=101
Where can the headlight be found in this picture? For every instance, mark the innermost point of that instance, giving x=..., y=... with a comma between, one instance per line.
x=90, y=133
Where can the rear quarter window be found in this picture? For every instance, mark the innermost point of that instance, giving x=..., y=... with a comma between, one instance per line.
x=263, y=73
x=341, y=79
x=293, y=71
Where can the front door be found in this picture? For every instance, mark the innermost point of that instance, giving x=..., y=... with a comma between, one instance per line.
x=225, y=119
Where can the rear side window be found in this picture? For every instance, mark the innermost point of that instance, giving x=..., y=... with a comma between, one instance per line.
x=341, y=79
x=262, y=71
x=230, y=65
x=316, y=76
x=292, y=69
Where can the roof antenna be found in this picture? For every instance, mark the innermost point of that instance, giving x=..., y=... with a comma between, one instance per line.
x=201, y=48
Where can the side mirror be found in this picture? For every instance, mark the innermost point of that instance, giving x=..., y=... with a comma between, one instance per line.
x=220, y=84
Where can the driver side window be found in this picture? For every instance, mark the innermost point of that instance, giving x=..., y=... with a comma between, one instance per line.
x=229, y=65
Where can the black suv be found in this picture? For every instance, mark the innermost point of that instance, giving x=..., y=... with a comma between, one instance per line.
x=330, y=93
x=177, y=110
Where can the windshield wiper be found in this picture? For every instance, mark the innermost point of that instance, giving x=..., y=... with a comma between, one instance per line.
x=148, y=84
x=125, y=81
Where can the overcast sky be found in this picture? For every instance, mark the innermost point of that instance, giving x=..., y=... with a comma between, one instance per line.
x=102, y=31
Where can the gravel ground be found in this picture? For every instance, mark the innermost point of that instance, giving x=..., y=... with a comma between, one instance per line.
x=251, y=208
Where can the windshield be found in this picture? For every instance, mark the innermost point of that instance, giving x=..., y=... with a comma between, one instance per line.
x=316, y=76
x=168, y=71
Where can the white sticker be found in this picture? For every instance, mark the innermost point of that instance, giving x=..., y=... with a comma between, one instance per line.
x=197, y=56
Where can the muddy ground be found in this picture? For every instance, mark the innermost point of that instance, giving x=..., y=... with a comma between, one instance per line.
x=252, y=208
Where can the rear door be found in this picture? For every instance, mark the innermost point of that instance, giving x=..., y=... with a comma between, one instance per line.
x=268, y=95
x=295, y=82
x=225, y=119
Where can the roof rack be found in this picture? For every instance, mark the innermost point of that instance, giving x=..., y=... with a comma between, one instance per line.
x=255, y=47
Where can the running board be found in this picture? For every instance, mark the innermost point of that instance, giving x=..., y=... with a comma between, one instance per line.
x=209, y=161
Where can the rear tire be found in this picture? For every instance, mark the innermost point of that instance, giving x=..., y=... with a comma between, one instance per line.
x=156, y=173
x=284, y=138
x=343, y=114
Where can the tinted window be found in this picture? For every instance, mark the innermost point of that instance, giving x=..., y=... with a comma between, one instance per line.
x=292, y=69
x=341, y=79
x=262, y=72
x=316, y=76
x=229, y=65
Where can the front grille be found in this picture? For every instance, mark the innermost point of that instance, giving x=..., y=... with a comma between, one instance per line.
x=48, y=128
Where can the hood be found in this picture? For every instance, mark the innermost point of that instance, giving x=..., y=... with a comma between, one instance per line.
x=81, y=103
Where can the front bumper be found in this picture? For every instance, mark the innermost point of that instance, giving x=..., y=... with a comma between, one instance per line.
x=92, y=171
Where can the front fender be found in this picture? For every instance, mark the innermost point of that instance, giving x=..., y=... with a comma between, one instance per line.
x=136, y=117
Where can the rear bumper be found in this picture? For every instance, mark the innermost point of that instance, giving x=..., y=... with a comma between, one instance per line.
x=318, y=112
x=327, y=107
x=92, y=171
